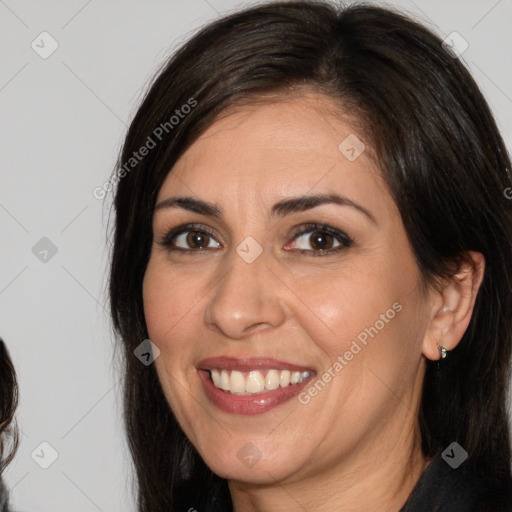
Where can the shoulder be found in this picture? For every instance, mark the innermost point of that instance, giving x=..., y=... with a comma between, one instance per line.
x=446, y=488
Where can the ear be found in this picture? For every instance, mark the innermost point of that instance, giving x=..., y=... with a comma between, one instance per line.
x=452, y=307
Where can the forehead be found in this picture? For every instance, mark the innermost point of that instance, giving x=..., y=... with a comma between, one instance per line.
x=286, y=147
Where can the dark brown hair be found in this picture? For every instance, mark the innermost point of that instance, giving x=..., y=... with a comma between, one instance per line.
x=8, y=404
x=446, y=167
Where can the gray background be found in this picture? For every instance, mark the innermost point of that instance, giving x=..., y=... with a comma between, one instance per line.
x=63, y=120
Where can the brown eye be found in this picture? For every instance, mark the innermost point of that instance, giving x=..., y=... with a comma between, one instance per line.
x=197, y=239
x=320, y=240
x=189, y=238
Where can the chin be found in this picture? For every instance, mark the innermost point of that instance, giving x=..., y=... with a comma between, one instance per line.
x=244, y=462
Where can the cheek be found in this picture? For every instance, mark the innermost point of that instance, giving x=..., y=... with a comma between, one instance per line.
x=365, y=314
x=168, y=314
x=336, y=307
x=155, y=301
x=172, y=306
x=165, y=301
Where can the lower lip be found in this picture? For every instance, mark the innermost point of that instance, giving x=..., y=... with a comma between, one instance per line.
x=249, y=404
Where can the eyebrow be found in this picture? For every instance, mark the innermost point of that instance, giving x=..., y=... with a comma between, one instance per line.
x=279, y=209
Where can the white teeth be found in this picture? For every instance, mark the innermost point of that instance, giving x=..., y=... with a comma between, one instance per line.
x=295, y=377
x=272, y=380
x=284, y=378
x=255, y=381
x=236, y=382
x=224, y=380
x=215, y=377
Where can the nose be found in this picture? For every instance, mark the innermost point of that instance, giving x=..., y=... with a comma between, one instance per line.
x=248, y=298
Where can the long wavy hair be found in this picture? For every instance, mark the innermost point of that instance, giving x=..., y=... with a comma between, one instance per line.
x=445, y=164
x=8, y=403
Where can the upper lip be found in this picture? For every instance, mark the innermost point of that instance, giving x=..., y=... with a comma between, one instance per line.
x=246, y=364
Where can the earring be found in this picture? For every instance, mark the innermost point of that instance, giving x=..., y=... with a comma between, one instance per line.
x=444, y=352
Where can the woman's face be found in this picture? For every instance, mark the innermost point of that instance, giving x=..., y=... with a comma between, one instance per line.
x=250, y=293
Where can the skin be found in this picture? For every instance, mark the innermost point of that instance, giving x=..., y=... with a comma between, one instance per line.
x=357, y=441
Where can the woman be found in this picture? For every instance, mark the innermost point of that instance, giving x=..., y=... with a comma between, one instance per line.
x=311, y=229
x=8, y=403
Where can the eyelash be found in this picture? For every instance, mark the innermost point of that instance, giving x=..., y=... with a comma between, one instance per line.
x=344, y=240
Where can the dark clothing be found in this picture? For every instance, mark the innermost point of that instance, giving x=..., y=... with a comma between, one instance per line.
x=443, y=489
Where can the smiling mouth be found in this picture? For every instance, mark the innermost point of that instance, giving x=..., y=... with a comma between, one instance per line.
x=255, y=382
